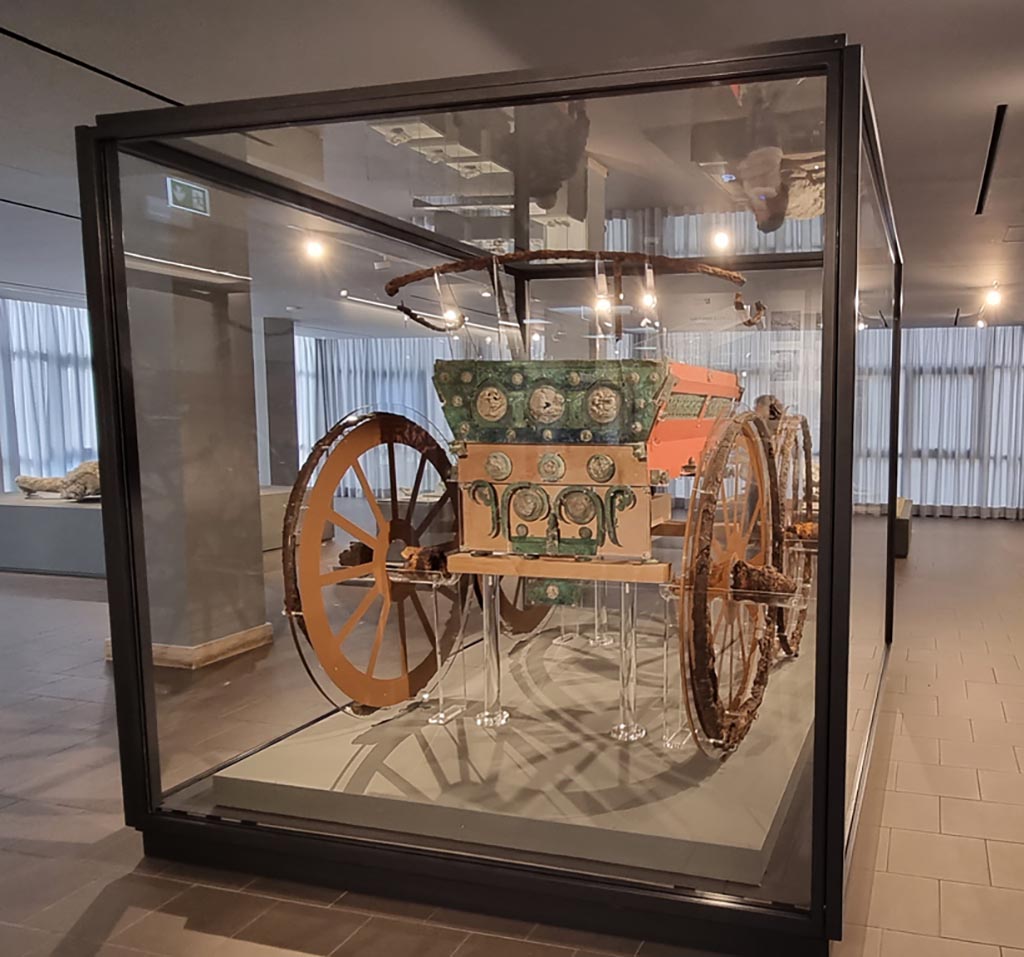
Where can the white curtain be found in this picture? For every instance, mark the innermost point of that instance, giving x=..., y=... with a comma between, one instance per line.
x=47, y=406
x=672, y=233
x=962, y=431
x=336, y=377
x=962, y=425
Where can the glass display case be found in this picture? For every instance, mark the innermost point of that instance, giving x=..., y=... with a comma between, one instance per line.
x=497, y=486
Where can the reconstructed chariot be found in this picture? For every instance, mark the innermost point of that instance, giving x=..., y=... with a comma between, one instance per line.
x=558, y=474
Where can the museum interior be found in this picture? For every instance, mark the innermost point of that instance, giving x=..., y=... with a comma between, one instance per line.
x=462, y=494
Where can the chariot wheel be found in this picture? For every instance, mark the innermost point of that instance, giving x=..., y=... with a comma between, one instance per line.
x=796, y=484
x=733, y=540
x=372, y=629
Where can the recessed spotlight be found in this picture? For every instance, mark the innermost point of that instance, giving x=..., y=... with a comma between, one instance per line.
x=486, y=293
x=981, y=323
x=450, y=315
x=604, y=304
x=488, y=340
x=536, y=337
x=314, y=248
x=993, y=297
x=343, y=293
x=292, y=308
x=721, y=240
x=862, y=325
x=648, y=300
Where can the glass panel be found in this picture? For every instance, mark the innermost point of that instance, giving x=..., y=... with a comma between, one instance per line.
x=544, y=533
x=697, y=172
x=872, y=399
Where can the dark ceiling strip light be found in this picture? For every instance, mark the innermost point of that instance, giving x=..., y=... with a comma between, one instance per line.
x=36, y=45
x=38, y=209
x=990, y=160
x=956, y=318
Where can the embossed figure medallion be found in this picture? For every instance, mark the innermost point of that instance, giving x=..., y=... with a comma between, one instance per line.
x=546, y=404
x=498, y=466
x=530, y=504
x=603, y=404
x=601, y=467
x=551, y=467
x=491, y=403
x=579, y=507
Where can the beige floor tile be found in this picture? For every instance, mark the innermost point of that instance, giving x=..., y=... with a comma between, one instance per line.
x=928, y=726
x=1014, y=710
x=1019, y=752
x=990, y=915
x=1010, y=952
x=998, y=732
x=858, y=942
x=915, y=750
x=899, y=902
x=944, y=688
x=971, y=754
x=914, y=669
x=987, y=709
x=897, y=944
x=937, y=779
x=1010, y=676
x=996, y=692
x=995, y=822
x=1006, y=864
x=910, y=703
x=938, y=855
x=914, y=812
x=1002, y=788
x=967, y=671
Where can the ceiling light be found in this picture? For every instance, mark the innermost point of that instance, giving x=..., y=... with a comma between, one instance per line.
x=488, y=340
x=721, y=240
x=604, y=304
x=862, y=325
x=981, y=323
x=486, y=293
x=450, y=315
x=314, y=248
x=292, y=308
x=648, y=300
x=343, y=293
x=536, y=337
x=993, y=297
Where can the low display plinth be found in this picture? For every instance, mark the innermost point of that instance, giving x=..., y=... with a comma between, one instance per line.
x=52, y=536
x=551, y=781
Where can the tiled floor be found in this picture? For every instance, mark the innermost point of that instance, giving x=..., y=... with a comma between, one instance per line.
x=939, y=864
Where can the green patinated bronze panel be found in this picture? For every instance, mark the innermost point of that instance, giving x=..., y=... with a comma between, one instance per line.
x=600, y=401
x=554, y=591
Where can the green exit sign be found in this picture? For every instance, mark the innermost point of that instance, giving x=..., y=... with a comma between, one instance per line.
x=188, y=196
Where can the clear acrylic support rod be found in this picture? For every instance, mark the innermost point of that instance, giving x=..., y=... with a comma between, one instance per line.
x=493, y=714
x=628, y=729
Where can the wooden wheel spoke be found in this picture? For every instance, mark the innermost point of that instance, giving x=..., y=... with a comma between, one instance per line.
x=347, y=525
x=403, y=639
x=379, y=639
x=346, y=573
x=423, y=617
x=434, y=510
x=371, y=499
x=414, y=494
x=393, y=477
x=361, y=609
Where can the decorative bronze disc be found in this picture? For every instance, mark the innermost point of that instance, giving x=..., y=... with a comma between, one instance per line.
x=603, y=404
x=601, y=467
x=498, y=466
x=551, y=467
x=546, y=404
x=530, y=504
x=579, y=507
x=491, y=403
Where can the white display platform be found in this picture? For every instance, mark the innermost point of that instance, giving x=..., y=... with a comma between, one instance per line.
x=551, y=781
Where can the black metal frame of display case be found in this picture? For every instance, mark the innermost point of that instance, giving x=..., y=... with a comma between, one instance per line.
x=457, y=877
